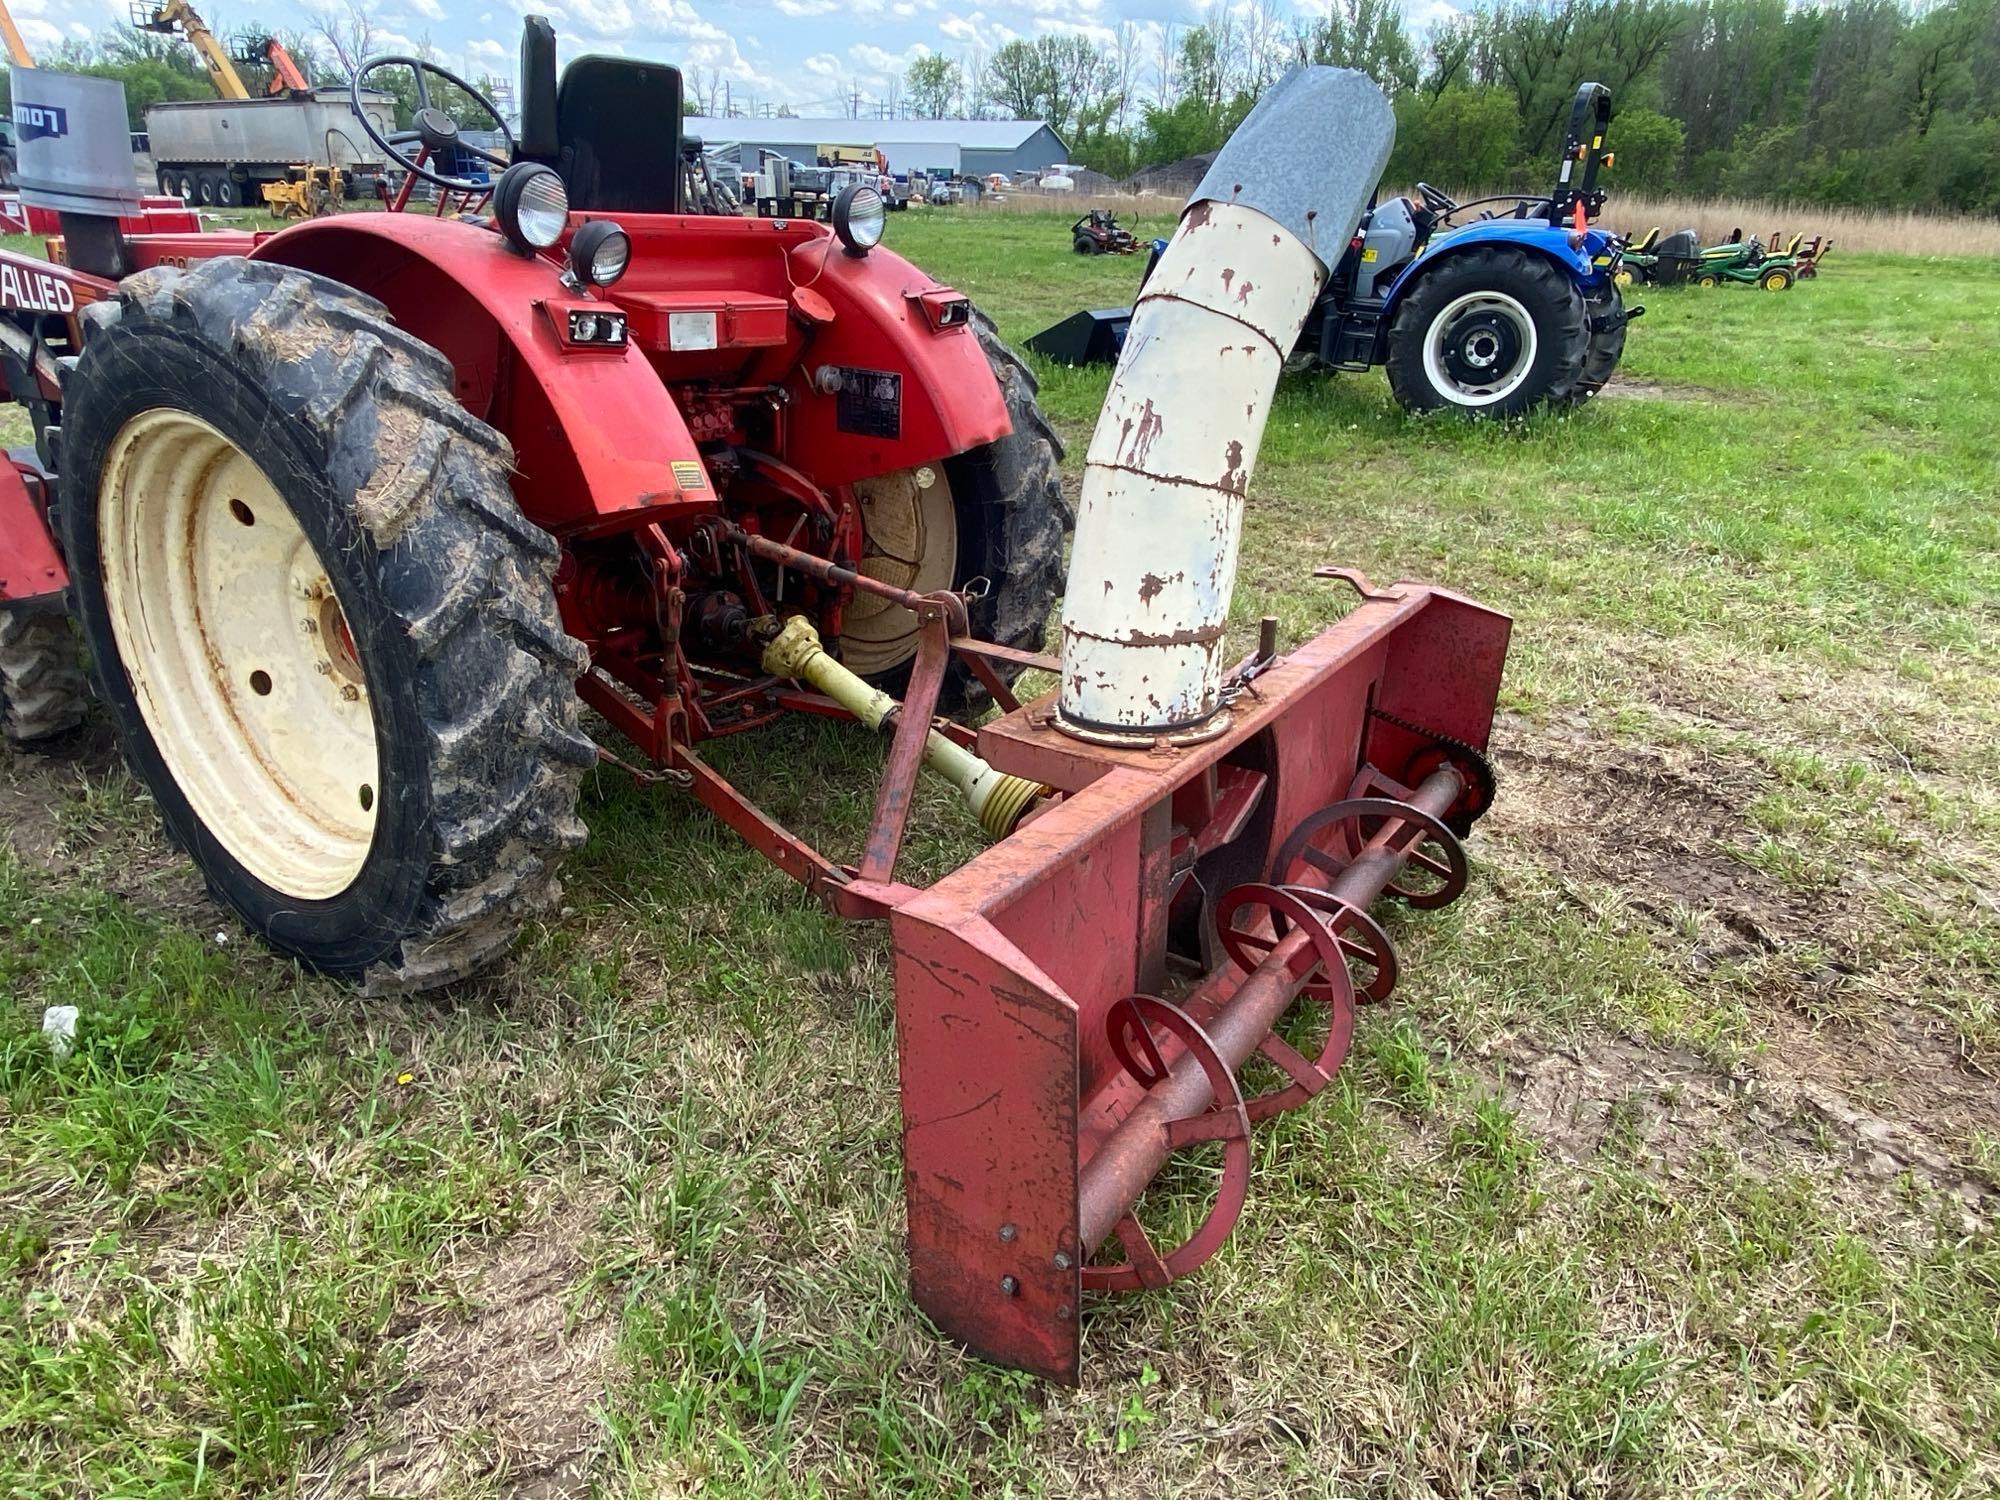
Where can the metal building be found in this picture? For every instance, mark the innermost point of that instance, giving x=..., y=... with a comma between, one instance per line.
x=973, y=147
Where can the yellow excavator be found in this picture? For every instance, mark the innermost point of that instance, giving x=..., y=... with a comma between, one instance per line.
x=308, y=190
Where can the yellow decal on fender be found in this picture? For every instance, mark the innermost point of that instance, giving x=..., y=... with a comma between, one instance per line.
x=1368, y=256
x=688, y=475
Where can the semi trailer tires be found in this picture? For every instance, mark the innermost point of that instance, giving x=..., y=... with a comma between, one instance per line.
x=325, y=632
x=1492, y=332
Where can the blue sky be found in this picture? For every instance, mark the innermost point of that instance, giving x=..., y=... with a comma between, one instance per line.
x=808, y=54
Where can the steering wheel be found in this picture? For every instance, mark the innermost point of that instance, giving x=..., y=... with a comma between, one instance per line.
x=1437, y=202
x=431, y=128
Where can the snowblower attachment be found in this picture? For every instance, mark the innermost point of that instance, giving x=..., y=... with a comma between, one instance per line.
x=1076, y=1006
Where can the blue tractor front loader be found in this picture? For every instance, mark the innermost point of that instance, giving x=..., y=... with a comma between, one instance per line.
x=1514, y=309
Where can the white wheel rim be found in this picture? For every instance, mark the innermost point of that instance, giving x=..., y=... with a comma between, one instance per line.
x=238, y=654
x=910, y=539
x=1505, y=380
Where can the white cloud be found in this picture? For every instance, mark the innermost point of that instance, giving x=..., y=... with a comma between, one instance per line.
x=803, y=8
x=976, y=30
x=602, y=18
x=1096, y=32
x=873, y=59
x=430, y=10
x=39, y=34
x=485, y=47
x=823, y=65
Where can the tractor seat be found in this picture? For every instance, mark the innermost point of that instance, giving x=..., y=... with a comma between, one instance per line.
x=612, y=130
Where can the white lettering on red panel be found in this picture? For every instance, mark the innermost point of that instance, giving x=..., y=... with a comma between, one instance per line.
x=34, y=291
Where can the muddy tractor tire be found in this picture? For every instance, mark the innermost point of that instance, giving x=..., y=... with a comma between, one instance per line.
x=323, y=628
x=1605, y=308
x=43, y=694
x=1490, y=332
x=995, y=512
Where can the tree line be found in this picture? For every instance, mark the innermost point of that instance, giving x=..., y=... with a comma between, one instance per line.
x=1866, y=103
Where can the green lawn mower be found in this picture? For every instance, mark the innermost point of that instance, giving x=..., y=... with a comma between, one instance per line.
x=1740, y=262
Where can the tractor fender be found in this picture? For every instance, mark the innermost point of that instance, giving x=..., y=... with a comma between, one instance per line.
x=30, y=565
x=598, y=440
x=1525, y=234
x=945, y=400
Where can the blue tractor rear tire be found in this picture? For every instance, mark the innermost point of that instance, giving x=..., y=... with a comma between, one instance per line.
x=1490, y=332
x=1605, y=307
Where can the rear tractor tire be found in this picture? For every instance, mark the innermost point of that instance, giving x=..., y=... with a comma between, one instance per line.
x=996, y=512
x=324, y=630
x=1490, y=332
x=1083, y=244
x=42, y=689
x=1605, y=310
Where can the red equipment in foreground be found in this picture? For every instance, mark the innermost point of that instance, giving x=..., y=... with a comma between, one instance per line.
x=337, y=576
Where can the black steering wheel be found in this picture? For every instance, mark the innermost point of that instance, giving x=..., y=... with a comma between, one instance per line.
x=1436, y=200
x=431, y=128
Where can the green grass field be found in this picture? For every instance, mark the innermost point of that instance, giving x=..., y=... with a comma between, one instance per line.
x=1672, y=1169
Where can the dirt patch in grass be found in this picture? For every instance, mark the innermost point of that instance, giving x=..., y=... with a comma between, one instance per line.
x=1667, y=829
x=1796, y=1108
x=503, y=1392
x=71, y=812
x=1840, y=1075
x=1622, y=388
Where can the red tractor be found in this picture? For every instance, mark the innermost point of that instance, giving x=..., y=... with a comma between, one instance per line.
x=354, y=518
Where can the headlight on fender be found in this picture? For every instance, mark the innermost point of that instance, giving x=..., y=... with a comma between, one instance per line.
x=859, y=217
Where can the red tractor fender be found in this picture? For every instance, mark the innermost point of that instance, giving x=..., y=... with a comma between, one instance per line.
x=30, y=566
x=597, y=437
x=879, y=375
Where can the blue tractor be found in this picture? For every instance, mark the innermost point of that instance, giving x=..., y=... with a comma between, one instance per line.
x=1517, y=308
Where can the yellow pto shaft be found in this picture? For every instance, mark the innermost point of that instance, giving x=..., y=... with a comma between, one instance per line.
x=996, y=799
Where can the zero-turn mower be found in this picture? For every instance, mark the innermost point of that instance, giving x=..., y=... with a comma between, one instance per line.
x=1099, y=233
x=357, y=516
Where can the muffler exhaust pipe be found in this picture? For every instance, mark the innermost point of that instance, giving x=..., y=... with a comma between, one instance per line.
x=1161, y=513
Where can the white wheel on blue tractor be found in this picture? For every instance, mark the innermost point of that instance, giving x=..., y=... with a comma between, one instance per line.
x=1489, y=332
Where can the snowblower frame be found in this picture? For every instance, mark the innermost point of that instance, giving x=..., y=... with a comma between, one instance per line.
x=1046, y=1072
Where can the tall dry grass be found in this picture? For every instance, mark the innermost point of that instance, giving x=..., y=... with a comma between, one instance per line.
x=1853, y=229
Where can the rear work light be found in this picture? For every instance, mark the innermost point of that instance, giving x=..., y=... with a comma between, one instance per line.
x=594, y=329
x=944, y=308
